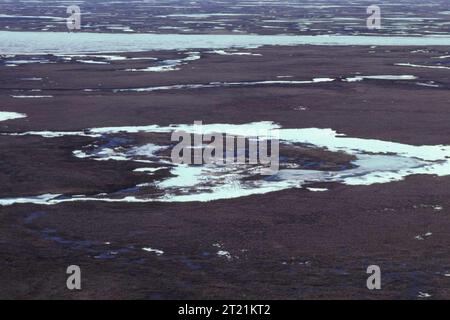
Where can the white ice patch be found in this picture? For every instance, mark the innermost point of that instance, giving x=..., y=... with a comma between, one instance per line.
x=225, y=254
x=44, y=199
x=31, y=79
x=31, y=17
x=317, y=189
x=148, y=170
x=421, y=66
x=430, y=84
x=53, y=134
x=31, y=61
x=147, y=150
x=106, y=153
x=169, y=65
x=381, y=77
x=5, y=115
x=156, y=251
x=234, y=53
x=226, y=84
x=89, y=58
x=92, y=62
x=441, y=57
x=30, y=97
x=423, y=295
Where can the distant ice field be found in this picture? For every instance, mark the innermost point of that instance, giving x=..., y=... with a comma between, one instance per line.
x=24, y=42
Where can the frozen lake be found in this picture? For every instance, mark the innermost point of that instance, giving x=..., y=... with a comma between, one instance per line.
x=23, y=42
